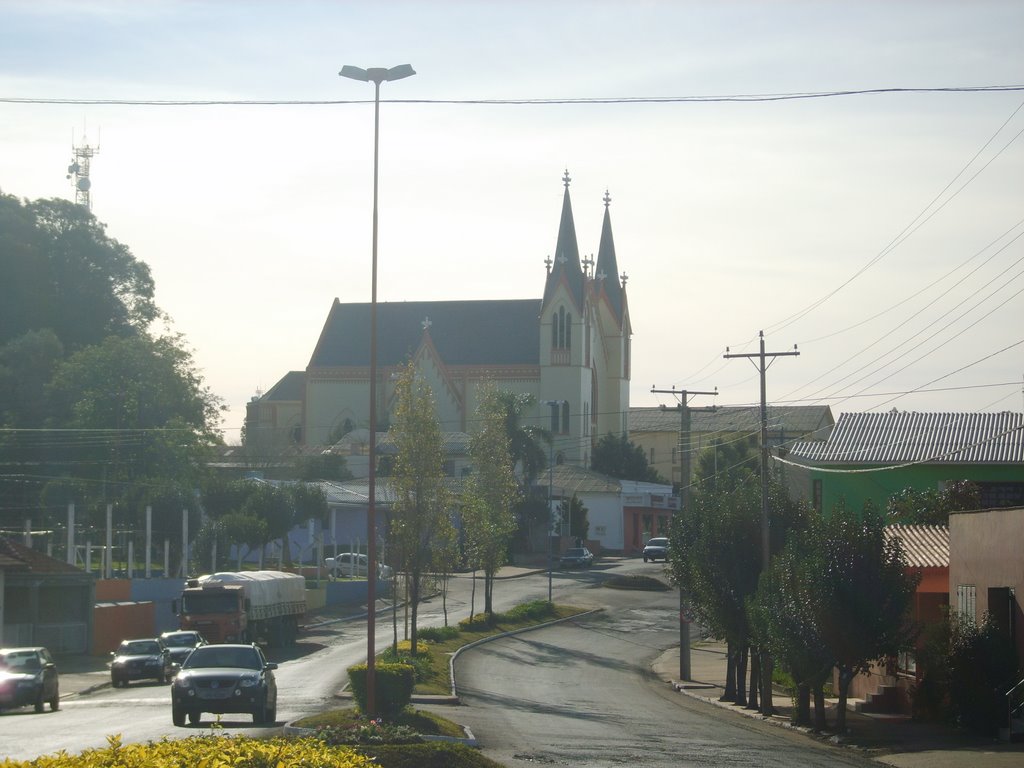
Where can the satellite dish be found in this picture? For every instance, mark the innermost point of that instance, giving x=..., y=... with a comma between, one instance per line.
x=84, y=184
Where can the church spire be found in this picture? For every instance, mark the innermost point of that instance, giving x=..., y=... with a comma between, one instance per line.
x=607, y=267
x=566, y=265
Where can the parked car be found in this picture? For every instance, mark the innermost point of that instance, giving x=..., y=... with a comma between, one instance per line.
x=28, y=676
x=656, y=549
x=181, y=643
x=222, y=679
x=354, y=564
x=576, y=557
x=144, y=659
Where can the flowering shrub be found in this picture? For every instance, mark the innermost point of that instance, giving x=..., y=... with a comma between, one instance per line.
x=208, y=751
x=370, y=732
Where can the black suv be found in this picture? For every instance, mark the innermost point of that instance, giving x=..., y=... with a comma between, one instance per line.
x=28, y=676
x=145, y=659
x=225, y=678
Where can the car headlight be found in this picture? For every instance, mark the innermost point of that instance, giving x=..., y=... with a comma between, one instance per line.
x=182, y=681
x=248, y=681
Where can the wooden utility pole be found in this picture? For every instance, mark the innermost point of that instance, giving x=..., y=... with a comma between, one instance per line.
x=684, y=496
x=762, y=365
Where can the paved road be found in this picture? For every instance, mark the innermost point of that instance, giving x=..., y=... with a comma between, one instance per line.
x=582, y=693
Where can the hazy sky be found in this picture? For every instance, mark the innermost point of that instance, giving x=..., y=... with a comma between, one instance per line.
x=882, y=233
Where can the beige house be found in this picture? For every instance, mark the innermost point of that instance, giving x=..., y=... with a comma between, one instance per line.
x=657, y=431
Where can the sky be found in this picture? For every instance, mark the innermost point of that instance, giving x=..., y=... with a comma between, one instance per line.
x=881, y=233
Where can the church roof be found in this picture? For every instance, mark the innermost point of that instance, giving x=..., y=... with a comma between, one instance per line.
x=498, y=332
x=566, y=265
x=607, y=271
x=291, y=387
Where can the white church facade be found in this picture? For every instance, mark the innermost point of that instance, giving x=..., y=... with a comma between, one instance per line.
x=571, y=345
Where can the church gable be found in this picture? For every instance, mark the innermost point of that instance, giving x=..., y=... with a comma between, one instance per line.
x=448, y=401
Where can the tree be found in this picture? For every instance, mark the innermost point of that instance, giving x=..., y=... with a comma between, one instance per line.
x=490, y=493
x=617, y=456
x=931, y=506
x=63, y=272
x=575, y=512
x=728, y=462
x=862, y=598
x=421, y=509
x=715, y=558
x=143, y=421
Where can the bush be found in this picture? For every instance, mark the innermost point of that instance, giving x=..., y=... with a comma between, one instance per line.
x=421, y=663
x=395, y=683
x=982, y=662
x=438, y=634
x=368, y=732
x=236, y=751
x=479, y=623
x=532, y=611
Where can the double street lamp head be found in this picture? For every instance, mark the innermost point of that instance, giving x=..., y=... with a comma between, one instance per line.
x=377, y=75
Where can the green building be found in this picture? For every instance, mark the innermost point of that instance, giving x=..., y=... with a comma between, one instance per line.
x=874, y=455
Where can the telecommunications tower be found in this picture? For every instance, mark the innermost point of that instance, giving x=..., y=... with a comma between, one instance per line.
x=78, y=171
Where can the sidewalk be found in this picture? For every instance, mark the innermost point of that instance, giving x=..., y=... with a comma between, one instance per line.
x=898, y=742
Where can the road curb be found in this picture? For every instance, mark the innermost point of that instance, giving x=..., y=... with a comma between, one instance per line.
x=298, y=731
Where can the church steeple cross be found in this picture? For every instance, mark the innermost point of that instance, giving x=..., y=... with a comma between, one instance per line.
x=425, y=322
x=548, y=263
x=607, y=199
x=566, y=179
x=588, y=262
x=624, y=277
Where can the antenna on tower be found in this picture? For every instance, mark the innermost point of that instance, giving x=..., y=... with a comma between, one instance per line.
x=78, y=171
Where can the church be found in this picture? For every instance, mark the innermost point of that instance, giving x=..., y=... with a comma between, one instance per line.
x=571, y=346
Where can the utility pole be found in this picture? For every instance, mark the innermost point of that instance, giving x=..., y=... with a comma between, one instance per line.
x=762, y=365
x=684, y=496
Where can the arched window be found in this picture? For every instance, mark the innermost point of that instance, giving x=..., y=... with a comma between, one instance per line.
x=568, y=331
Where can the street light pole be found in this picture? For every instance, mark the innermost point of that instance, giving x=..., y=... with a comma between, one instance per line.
x=376, y=75
x=551, y=482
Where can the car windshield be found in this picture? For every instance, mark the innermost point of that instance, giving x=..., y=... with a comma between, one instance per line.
x=657, y=543
x=219, y=656
x=184, y=640
x=139, y=648
x=574, y=552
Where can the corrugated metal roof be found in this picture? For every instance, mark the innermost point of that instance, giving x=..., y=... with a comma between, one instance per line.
x=795, y=419
x=924, y=546
x=930, y=438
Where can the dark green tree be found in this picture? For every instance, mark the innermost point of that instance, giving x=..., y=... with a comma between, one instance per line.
x=862, y=598
x=617, y=456
x=932, y=506
x=61, y=271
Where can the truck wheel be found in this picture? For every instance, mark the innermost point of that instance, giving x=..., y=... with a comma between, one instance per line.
x=178, y=717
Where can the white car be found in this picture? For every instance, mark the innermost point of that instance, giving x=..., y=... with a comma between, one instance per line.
x=353, y=565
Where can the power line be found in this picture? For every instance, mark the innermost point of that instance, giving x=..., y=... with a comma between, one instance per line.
x=735, y=98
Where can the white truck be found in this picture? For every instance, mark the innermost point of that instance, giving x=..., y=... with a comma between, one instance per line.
x=245, y=606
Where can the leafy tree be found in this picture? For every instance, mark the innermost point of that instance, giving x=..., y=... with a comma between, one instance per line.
x=716, y=559
x=322, y=466
x=575, y=512
x=932, y=506
x=862, y=599
x=244, y=528
x=421, y=509
x=617, y=456
x=144, y=421
x=728, y=462
x=783, y=616
x=272, y=505
x=63, y=272
x=490, y=493
x=982, y=661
